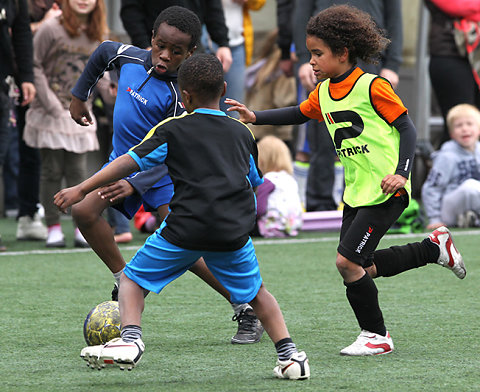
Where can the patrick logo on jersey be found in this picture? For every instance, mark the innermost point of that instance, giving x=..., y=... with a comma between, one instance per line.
x=137, y=96
x=347, y=132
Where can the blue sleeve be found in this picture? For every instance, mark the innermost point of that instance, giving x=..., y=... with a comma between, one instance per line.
x=143, y=181
x=254, y=175
x=150, y=159
x=101, y=60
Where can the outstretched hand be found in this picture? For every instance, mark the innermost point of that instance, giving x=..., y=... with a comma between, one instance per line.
x=246, y=115
x=79, y=112
x=392, y=183
x=68, y=197
x=116, y=191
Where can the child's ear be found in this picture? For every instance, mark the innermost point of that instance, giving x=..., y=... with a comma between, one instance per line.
x=224, y=89
x=187, y=98
x=345, y=55
x=190, y=52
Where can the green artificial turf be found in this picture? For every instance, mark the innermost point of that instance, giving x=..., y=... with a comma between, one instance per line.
x=431, y=315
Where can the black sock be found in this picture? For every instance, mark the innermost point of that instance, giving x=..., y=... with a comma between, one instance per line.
x=397, y=259
x=129, y=333
x=285, y=349
x=363, y=298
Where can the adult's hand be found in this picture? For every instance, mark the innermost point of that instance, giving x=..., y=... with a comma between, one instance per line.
x=307, y=77
x=224, y=54
x=28, y=92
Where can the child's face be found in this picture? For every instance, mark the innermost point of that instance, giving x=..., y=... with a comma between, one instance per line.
x=465, y=131
x=82, y=7
x=169, y=48
x=324, y=62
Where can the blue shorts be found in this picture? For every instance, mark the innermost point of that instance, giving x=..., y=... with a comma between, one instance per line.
x=158, y=262
x=151, y=200
x=158, y=195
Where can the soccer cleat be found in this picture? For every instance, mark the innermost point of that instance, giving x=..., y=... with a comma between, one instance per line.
x=31, y=228
x=296, y=368
x=115, y=292
x=250, y=328
x=116, y=352
x=369, y=343
x=449, y=256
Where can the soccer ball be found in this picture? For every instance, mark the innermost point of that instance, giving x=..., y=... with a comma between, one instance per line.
x=102, y=324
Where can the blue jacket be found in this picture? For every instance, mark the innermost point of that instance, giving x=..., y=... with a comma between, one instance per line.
x=144, y=98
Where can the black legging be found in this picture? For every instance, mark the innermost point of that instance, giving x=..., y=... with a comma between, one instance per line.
x=453, y=83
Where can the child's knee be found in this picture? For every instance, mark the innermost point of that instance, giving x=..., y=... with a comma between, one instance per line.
x=83, y=215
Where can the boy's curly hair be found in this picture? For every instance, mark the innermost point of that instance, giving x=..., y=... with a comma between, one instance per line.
x=345, y=26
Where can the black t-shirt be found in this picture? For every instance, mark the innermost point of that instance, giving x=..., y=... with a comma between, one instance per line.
x=212, y=161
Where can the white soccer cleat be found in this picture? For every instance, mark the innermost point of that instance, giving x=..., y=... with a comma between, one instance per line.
x=91, y=355
x=449, y=257
x=369, y=343
x=116, y=352
x=296, y=368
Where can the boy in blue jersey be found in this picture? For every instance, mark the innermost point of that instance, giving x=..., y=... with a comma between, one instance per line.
x=212, y=159
x=147, y=94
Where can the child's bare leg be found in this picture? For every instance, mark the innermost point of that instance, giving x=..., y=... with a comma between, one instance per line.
x=130, y=301
x=268, y=312
x=97, y=231
x=201, y=270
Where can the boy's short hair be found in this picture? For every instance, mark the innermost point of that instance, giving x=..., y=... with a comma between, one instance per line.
x=183, y=19
x=463, y=109
x=202, y=74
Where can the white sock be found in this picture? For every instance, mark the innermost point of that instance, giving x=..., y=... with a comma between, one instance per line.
x=117, y=275
x=237, y=308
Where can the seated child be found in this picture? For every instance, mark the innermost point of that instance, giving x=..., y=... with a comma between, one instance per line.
x=212, y=160
x=279, y=209
x=451, y=192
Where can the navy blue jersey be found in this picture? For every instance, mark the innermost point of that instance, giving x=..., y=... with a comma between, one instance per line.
x=212, y=161
x=144, y=98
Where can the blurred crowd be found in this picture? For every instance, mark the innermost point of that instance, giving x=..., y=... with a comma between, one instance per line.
x=46, y=44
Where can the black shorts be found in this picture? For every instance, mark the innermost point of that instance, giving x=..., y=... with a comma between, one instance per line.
x=363, y=228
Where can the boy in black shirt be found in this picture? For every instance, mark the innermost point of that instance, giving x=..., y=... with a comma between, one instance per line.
x=212, y=160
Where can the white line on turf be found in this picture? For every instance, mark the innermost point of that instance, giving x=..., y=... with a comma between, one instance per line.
x=291, y=241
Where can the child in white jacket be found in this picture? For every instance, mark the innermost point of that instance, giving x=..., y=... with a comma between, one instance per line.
x=451, y=193
x=279, y=209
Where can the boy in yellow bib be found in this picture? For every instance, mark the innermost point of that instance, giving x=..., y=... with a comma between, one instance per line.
x=375, y=141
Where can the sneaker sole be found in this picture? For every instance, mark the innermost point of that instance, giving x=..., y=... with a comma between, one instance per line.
x=102, y=362
x=365, y=355
x=463, y=271
x=239, y=341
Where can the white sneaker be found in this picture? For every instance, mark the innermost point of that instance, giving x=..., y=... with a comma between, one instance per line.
x=467, y=219
x=55, y=238
x=80, y=241
x=296, y=368
x=369, y=343
x=449, y=256
x=31, y=228
x=116, y=352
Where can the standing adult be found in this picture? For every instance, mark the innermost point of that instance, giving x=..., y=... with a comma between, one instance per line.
x=448, y=54
x=30, y=225
x=138, y=17
x=240, y=35
x=16, y=52
x=388, y=16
